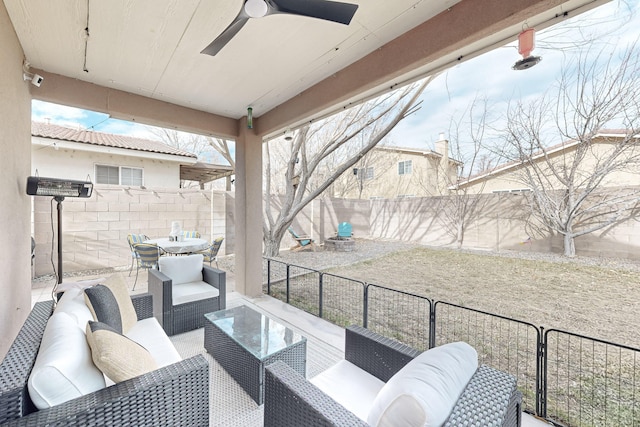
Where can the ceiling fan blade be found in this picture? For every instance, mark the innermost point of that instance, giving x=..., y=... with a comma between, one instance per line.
x=321, y=9
x=224, y=38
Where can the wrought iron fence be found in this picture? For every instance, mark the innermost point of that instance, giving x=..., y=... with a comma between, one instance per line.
x=590, y=382
x=501, y=342
x=569, y=379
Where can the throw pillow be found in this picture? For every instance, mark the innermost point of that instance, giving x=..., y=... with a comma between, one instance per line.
x=118, y=357
x=103, y=306
x=118, y=285
x=423, y=393
x=111, y=303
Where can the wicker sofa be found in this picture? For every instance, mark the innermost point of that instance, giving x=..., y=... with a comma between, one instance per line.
x=490, y=398
x=176, y=395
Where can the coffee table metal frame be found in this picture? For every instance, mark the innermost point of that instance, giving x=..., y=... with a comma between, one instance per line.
x=244, y=366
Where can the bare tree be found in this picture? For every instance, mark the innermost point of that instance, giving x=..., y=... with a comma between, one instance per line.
x=313, y=144
x=591, y=95
x=466, y=136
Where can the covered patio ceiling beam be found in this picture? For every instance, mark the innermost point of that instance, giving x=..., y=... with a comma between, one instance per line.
x=467, y=22
x=127, y=106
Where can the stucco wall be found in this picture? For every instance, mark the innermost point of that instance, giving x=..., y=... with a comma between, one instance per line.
x=94, y=230
x=15, y=143
x=72, y=163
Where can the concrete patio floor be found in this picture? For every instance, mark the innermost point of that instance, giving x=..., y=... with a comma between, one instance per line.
x=230, y=405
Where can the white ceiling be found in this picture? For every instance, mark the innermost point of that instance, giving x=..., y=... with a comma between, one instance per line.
x=152, y=47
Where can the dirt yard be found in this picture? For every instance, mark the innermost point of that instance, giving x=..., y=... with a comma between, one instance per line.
x=595, y=297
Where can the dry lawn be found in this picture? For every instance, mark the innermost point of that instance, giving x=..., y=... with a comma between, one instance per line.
x=596, y=301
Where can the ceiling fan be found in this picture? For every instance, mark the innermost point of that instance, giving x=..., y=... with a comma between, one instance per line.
x=321, y=9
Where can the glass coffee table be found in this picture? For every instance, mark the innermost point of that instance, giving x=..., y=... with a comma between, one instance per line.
x=244, y=341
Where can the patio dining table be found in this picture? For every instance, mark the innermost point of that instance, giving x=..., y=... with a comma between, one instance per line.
x=188, y=245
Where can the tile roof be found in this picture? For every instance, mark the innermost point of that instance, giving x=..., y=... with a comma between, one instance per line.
x=46, y=130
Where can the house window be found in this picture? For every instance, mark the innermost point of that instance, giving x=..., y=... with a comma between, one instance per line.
x=404, y=168
x=118, y=175
x=131, y=176
x=365, y=174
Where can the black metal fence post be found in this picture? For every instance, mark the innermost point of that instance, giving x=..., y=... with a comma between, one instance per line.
x=288, y=282
x=541, y=395
x=365, y=305
x=268, y=276
x=320, y=293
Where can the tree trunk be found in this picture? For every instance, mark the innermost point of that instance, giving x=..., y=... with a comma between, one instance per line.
x=460, y=234
x=272, y=245
x=569, y=245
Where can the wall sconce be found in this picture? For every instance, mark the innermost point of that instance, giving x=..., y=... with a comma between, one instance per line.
x=249, y=118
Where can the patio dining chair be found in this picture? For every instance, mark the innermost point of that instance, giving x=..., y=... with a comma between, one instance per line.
x=133, y=239
x=147, y=255
x=211, y=253
x=191, y=234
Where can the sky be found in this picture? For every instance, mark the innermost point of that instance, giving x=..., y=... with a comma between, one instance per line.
x=488, y=76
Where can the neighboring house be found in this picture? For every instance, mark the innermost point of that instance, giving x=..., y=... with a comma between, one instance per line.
x=397, y=172
x=80, y=154
x=507, y=177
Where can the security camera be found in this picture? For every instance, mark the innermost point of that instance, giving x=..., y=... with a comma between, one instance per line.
x=37, y=80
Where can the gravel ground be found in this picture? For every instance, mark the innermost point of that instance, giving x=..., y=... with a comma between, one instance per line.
x=368, y=249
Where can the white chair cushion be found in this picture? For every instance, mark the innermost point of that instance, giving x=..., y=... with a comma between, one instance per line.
x=63, y=369
x=182, y=269
x=424, y=392
x=194, y=291
x=72, y=303
x=352, y=387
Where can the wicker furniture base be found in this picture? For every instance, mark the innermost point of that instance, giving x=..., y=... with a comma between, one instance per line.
x=490, y=399
x=175, y=395
x=244, y=341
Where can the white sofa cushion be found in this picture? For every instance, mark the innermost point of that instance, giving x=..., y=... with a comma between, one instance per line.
x=424, y=392
x=352, y=387
x=72, y=303
x=149, y=334
x=193, y=291
x=63, y=369
x=182, y=269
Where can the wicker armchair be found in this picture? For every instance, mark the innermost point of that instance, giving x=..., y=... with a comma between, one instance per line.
x=489, y=399
x=176, y=395
x=179, y=318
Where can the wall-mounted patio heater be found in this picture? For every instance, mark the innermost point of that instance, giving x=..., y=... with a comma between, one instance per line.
x=59, y=189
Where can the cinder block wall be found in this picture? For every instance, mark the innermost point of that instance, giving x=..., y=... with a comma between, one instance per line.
x=94, y=230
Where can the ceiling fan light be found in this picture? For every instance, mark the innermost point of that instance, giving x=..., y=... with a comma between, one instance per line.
x=256, y=8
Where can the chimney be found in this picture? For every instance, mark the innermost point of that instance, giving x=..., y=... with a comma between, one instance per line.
x=442, y=148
